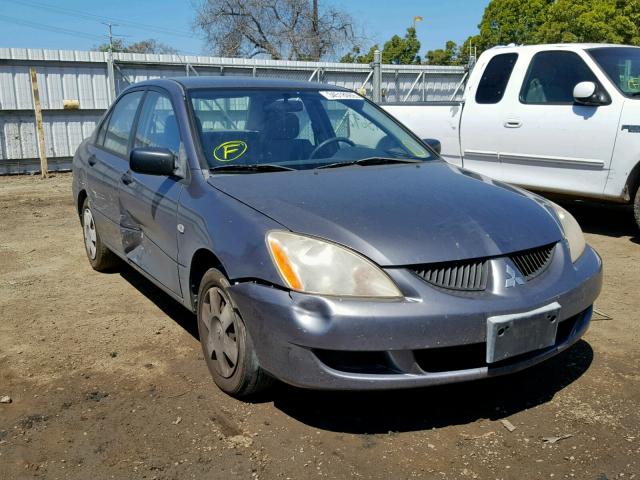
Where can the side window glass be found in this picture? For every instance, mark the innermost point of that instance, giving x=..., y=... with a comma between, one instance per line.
x=157, y=126
x=103, y=130
x=552, y=77
x=120, y=123
x=495, y=78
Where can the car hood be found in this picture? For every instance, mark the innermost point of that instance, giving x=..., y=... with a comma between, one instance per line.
x=399, y=215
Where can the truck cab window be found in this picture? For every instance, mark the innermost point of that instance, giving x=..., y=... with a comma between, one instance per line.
x=552, y=76
x=495, y=78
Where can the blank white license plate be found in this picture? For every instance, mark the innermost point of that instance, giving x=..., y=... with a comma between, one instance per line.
x=518, y=333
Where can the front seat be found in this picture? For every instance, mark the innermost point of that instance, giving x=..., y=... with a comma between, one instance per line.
x=280, y=138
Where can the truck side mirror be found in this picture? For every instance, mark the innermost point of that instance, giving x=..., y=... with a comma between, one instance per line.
x=589, y=93
x=434, y=144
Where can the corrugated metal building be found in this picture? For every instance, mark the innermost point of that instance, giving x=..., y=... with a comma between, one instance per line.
x=84, y=76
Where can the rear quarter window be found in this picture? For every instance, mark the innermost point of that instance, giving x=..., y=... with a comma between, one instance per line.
x=495, y=78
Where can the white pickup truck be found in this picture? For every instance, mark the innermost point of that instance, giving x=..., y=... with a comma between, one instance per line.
x=561, y=118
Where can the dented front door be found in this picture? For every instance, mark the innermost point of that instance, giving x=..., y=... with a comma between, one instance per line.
x=149, y=203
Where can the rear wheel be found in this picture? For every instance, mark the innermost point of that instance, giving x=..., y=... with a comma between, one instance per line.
x=100, y=257
x=226, y=344
x=636, y=207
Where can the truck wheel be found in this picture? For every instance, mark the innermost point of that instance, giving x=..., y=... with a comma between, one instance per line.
x=100, y=257
x=636, y=207
x=226, y=344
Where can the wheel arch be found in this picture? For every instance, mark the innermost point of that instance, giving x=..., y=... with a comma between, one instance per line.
x=633, y=181
x=202, y=260
x=82, y=195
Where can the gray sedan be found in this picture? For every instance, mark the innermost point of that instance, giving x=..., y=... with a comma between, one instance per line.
x=319, y=242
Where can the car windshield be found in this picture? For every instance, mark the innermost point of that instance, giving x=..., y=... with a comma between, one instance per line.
x=297, y=129
x=622, y=66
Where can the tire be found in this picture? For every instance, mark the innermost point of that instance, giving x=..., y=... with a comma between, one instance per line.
x=226, y=344
x=100, y=257
x=636, y=207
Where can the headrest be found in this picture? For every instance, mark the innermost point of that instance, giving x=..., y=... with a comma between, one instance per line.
x=282, y=125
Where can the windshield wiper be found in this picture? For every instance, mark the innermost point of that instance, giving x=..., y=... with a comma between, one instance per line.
x=371, y=161
x=255, y=168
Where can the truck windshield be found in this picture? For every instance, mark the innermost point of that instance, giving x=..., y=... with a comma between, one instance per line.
x=622, y=66
x=297, y=129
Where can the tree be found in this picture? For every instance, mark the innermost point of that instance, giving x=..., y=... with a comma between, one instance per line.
x=606, y=21
x=292, y=29
x=396, y=50
x=144, y=46
x=511, y=21
x=550, y=21
x=446, y=56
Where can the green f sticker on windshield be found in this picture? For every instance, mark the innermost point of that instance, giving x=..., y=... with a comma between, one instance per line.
x=230, y=151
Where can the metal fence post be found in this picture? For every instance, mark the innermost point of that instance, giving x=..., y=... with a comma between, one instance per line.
x=377, y=76
x=111, y=78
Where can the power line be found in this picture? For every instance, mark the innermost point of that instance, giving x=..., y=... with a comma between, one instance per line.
x=51, y=28
x=101, y=18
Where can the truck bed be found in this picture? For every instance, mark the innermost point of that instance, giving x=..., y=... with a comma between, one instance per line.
x=443, y=123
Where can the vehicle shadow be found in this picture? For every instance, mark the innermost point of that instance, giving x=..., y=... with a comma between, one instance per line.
x=164, y=302
x=403, y=410
x=604, y=219
x=434, y=407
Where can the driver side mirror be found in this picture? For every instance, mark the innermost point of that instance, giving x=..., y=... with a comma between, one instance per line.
x=152, y=161
x=434, y=144
x=591, y=94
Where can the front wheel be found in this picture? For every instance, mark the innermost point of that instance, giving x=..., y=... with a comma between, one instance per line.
x=227, y=347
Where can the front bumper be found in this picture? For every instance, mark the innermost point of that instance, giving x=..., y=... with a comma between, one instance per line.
x=429, y=337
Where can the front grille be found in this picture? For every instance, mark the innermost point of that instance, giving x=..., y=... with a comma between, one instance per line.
x=532, y=263
x=471, y=275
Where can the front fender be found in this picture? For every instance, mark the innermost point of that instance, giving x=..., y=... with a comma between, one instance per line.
x=233, y=231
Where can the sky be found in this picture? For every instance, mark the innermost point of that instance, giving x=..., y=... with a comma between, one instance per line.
x=76, y=24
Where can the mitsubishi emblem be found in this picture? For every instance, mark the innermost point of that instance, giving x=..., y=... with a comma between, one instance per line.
x=513, y=278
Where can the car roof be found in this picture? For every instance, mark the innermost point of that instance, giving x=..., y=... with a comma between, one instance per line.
x=556, y=46
x=197, y=82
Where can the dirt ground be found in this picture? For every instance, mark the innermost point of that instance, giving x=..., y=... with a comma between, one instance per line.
x=107, y=380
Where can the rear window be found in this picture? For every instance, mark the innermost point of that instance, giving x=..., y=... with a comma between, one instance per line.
x=495, y=78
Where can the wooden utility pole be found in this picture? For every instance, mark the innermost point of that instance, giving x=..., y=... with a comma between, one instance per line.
x=315, y=31
x=44, y=169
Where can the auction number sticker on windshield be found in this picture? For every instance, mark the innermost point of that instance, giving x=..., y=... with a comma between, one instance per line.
x=230, y=151
x=338, y=95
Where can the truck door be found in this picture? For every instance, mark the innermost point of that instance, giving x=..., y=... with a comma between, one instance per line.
x=149, y=203
x=482, y=124
x=546, y=140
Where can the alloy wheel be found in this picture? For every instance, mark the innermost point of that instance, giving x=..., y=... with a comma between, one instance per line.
x=89, y=228
x=219, y=321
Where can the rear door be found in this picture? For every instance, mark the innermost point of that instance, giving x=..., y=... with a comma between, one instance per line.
x=550, y=142
x=107, y=163
x=483, y=118
x=149, y=203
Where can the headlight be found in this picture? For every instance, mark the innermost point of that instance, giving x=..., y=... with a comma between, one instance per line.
x=572, y=231
x=311, y=265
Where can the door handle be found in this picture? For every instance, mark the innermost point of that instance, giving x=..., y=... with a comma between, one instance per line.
x=92, y=161
x=126, y=178
x=513, y=124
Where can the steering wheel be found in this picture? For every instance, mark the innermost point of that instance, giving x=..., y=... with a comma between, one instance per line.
x=329, y=141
